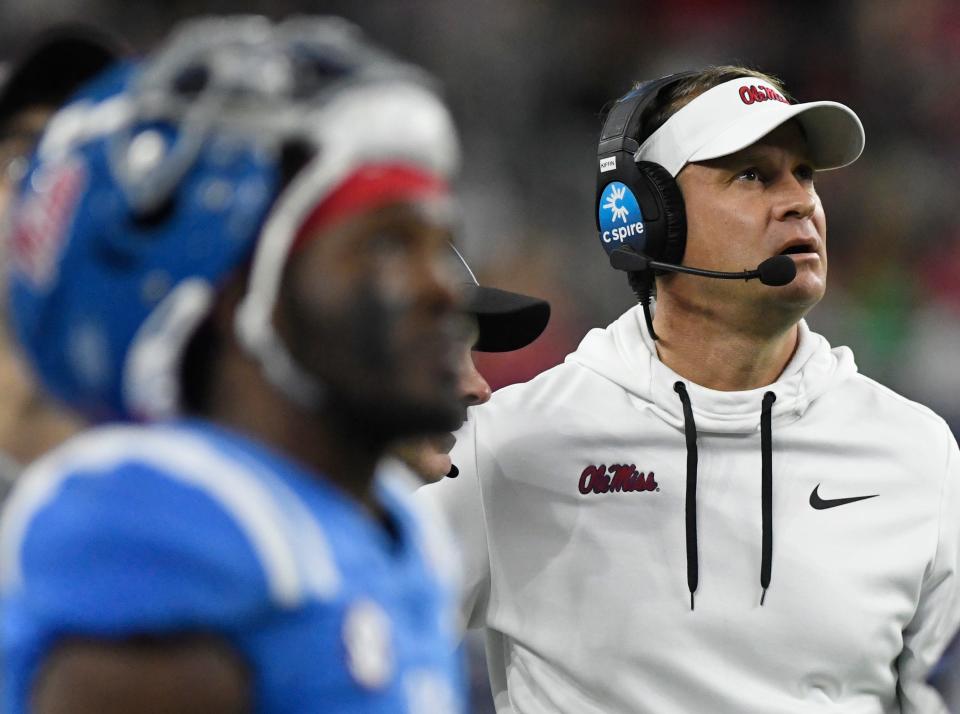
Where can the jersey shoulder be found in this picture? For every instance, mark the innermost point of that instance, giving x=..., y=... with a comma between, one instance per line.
x=153, y=528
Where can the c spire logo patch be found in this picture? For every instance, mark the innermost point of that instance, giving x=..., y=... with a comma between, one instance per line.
x=616, y=211
x=619, y=214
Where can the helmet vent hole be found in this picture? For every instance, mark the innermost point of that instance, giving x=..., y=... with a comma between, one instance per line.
x=192, y=80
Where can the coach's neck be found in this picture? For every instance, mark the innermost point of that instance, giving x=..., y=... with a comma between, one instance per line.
x=720, y=352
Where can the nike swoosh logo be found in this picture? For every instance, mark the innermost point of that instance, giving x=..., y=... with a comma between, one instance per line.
x=822, y=503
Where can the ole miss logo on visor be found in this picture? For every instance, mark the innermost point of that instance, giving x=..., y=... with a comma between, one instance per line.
x=751, y=94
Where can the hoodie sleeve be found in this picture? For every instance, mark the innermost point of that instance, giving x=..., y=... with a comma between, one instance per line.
x=938, y=611
x=460, y=501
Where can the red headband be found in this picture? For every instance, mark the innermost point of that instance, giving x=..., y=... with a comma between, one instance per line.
x=366, y=188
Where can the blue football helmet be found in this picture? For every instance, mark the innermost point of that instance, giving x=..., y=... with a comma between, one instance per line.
x=163, y=177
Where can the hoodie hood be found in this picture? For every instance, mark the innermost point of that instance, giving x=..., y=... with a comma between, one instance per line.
x=625, y=354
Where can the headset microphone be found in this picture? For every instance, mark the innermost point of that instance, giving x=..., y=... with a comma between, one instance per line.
x=776, y=271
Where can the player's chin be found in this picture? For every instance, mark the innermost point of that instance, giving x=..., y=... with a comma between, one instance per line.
x=434, y=404
x=418, y=403
x=433, y=413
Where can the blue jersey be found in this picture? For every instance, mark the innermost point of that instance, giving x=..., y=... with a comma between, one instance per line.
x=171, y=529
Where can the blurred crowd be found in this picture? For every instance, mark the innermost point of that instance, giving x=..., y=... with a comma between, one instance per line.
x=528, y=80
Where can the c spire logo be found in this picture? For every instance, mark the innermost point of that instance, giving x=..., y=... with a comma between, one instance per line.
x=616, y=194
x=619, y=215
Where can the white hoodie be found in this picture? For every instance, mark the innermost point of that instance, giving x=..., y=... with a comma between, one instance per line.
x=570, y=509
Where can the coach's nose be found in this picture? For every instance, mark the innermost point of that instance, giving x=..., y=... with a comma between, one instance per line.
x=474, y=389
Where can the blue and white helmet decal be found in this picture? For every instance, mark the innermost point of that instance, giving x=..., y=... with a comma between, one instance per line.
x=620, y=218
x=84, y=276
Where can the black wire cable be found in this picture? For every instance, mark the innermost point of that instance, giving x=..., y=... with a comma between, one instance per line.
x=690, y=433
x=766, y=496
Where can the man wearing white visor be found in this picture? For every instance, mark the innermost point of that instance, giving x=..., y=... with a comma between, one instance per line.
x=708, y=509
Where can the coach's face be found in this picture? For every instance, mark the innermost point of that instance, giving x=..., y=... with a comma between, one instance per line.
x=751, y=205
x=372, y=309
x=430, y=456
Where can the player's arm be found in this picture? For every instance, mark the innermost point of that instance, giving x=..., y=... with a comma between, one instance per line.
x=938, y=614
x=189, y=675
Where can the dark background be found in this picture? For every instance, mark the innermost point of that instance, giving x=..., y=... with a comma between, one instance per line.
x=527, y=81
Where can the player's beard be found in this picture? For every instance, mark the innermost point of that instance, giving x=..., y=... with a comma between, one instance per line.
x=392, y=417
x=371, y=377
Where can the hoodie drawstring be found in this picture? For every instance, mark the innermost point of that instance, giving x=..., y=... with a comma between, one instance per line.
x=766, y=495
x=690, y=432
x=766, y=488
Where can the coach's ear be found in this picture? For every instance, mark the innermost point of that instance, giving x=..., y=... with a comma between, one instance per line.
x=188, y=675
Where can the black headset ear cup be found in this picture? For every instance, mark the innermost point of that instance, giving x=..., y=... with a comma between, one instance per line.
x=674, y=217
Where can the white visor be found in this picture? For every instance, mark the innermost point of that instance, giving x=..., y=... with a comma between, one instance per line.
x=738, y=113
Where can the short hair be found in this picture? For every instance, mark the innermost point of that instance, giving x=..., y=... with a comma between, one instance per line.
x=675, y=96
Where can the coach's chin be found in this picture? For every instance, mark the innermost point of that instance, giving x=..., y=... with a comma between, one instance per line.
x=429, y=457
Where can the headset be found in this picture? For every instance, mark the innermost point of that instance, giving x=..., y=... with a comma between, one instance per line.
x=648, y=185
x=628, y=189
x=640, y=214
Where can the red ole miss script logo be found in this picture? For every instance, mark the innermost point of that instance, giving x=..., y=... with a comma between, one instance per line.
x=615, y=479
x=44, y=219
x=761, y=93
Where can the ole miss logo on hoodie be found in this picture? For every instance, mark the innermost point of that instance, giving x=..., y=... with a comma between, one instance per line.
x=616, y=478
